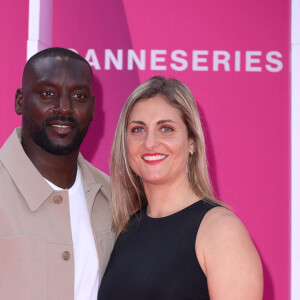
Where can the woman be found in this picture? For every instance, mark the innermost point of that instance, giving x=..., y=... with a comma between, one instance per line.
x=175, y=240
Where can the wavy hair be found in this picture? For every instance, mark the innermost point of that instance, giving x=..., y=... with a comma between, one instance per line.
x=128, y=195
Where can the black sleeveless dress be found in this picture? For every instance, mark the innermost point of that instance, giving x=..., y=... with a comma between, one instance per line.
x=156, y=258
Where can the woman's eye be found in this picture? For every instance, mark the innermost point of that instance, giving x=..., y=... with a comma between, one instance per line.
x=47, y=93
x=167, y=129
x=137, y=129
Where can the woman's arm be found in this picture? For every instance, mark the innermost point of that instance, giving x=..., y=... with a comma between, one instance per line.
x=228, y=257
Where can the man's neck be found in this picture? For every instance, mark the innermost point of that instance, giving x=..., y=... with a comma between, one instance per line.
x=59, y=169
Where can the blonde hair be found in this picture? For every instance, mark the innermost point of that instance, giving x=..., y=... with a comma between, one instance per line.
x=128, y=195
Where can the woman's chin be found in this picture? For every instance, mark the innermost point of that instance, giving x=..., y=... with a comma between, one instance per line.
x=153, y=179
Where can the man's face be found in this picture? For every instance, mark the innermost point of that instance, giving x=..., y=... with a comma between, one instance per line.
x=56, y=103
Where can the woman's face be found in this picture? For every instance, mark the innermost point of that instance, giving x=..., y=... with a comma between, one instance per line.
x=157, y=142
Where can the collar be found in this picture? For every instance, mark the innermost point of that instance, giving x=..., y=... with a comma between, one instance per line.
x=30, y=182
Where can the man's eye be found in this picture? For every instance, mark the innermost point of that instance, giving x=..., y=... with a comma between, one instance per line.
x=79, y=96
x=47, y=93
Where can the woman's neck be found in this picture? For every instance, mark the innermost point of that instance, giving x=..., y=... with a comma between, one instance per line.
x=164, y=200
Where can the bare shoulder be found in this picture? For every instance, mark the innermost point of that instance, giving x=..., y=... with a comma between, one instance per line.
x=220, y=220
x=228, y=257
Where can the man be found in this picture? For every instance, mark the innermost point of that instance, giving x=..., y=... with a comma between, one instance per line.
x=55, y=236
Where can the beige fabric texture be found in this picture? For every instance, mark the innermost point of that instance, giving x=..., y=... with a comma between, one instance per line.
x=36, y=251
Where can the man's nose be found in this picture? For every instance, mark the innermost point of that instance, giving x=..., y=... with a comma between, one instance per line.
x=63, y=106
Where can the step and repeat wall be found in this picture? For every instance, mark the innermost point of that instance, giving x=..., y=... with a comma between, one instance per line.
x=234, y=56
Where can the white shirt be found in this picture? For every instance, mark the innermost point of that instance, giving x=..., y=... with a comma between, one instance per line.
x=86, y=281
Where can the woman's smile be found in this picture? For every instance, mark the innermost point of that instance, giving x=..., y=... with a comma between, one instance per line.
x=154, y=158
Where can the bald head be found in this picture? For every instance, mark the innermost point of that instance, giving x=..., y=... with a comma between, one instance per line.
x=57, y=52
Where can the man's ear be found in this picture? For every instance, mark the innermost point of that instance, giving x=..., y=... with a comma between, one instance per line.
x=19, y=101
x=93, y=111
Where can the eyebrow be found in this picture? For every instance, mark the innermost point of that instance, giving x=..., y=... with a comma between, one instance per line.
x=158, y=122
x=165, y=121
x=76, y=86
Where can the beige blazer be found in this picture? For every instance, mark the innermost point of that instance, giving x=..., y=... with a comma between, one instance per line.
x=36, y=251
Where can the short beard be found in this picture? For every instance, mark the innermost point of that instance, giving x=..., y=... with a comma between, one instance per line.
x=41, y=138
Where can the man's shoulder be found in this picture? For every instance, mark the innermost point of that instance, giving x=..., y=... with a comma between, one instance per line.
x=12, y=155
x=88, y=169
x=11, y=140
x=98, y=174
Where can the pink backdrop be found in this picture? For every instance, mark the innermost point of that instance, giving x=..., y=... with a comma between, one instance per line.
x=14, y=33
x=244, y=102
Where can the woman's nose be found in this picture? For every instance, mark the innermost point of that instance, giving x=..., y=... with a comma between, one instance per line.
x=151, y=140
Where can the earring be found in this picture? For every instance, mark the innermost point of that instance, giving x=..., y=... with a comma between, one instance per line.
x=187, y=169
x=187, y=163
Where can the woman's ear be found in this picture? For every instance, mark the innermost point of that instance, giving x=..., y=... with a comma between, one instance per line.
x=191, y=147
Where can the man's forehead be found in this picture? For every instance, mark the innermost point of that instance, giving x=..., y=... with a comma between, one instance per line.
x=51, y=67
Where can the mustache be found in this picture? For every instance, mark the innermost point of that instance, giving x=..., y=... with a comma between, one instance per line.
x=63, y=119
